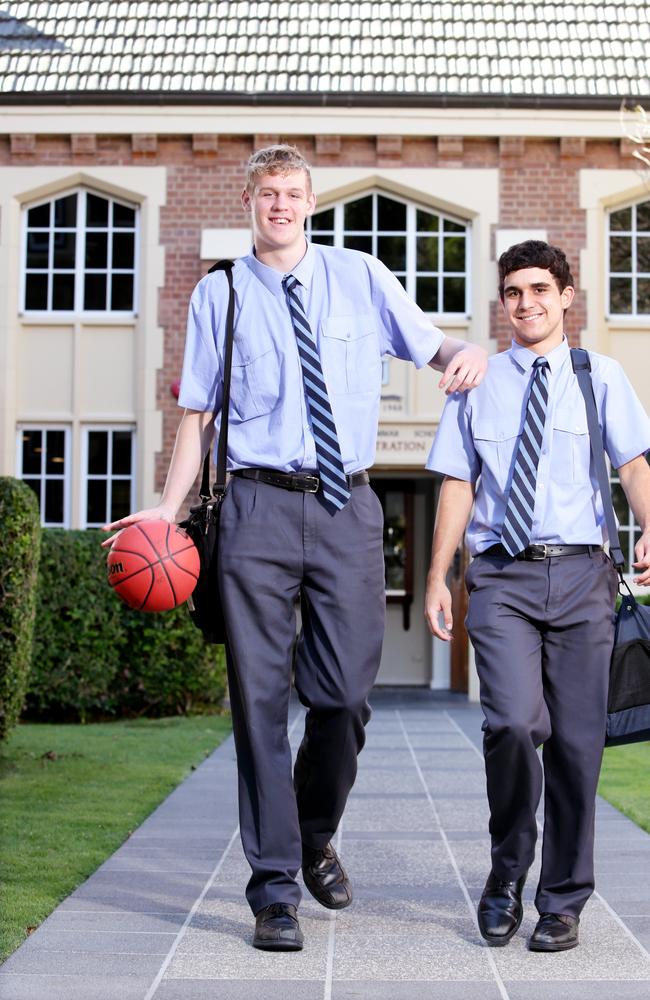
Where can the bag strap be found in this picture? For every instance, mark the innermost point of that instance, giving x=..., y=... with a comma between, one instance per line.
x=219, y=487
x=582, y=369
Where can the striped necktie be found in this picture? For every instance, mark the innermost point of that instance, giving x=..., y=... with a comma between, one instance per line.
x=518, y=520
x=328, y=453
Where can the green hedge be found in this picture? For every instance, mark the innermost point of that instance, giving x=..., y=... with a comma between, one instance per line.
x=20, y=532
x=94, y=658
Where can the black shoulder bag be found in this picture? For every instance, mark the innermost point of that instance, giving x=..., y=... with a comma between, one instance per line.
x=202, y=524
x=628, y=701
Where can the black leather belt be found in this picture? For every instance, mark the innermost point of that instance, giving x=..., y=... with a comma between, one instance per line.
x=539, y=551
x=305, y=482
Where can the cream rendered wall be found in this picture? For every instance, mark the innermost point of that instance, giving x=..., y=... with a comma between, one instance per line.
x=627, y=340
x=70, y=369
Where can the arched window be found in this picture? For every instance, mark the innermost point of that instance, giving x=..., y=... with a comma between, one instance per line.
x=628, y=248
x=427, y=251
x=80, y=255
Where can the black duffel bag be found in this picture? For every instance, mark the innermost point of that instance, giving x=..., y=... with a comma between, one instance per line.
x=628, y=703
x=202, y=523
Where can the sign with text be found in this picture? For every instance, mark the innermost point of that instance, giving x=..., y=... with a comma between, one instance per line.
x=403, y=444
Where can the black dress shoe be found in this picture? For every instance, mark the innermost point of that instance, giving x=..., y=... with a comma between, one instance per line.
x=500, y=910
x=277, y=928
x=554, y=932
x=325, y=877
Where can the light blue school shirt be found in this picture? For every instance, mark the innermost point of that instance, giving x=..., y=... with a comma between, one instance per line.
x=358, y=312
x=479, y=432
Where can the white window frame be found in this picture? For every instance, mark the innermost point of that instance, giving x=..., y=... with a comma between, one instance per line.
x=634, y=273
x=109, y=477
x=411, y=232
x=44, y=476
x=110, y=315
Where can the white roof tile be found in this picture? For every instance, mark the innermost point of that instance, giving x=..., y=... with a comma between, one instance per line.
x=325, y=46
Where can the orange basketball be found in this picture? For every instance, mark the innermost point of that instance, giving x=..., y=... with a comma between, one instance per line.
x=153, y=566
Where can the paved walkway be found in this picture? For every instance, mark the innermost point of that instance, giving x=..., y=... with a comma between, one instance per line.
x=165, y=918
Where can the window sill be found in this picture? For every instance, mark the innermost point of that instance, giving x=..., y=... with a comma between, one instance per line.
x=66, y=318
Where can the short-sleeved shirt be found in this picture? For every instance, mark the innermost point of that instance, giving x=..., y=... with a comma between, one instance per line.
x=479, y=432
x=358, y=312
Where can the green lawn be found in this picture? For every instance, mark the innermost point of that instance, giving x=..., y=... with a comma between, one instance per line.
x=625, y=781
x=72, y=794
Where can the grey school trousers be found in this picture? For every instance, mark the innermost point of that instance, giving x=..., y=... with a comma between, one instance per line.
x=543, y=634
x=277, y=545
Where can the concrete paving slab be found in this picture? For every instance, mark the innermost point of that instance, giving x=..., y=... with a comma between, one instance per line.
x=170, y=902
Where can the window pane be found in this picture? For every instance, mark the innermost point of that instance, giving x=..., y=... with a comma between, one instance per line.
x=427, y=222
x=620, y=253
x=426, y=294
x=427, y=253
x=390, y=214
x=453, y=249
x=123, y=249
x=326, y=241
x=96, y=211
x=32, y=452
x=54, y=501
x=39, y=216
x=620, y=295
x=454, y=295
x=402, y=279
x=359, y=243
x=621, y=220
x=38, y=249
x=120, y=498
x=64, y=250
x=122, y=453
x=95, y=291
x=643, y=295
x=620, y=504
x=391, y=250
x=63, y=291
x=358, y=214
x=643, y=217
x=55, y=452
x=123, y=217
x=35, y=485
x=36, y=291
x=97, y=453
x=96, y=501
x=65, y=212
x=643, y=253
x=453, y=227
x=96, y=249
x=122, y=291
x=323, y=220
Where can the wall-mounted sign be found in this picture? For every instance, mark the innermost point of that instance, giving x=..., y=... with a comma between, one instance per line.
x=403, y=444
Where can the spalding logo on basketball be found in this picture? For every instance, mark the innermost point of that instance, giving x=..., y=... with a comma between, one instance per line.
x=153, y=566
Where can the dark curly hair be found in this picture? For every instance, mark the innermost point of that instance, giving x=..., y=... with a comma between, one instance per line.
x=535, y=253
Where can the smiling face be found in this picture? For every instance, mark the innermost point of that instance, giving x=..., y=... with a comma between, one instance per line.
x=534, y=307
x=279, y=203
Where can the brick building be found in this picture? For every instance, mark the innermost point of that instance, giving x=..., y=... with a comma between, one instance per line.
x=439, y=134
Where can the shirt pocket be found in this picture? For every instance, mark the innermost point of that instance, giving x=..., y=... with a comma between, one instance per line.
x=350, y=354
x=255, y=381
x=495, y=440
x=571, y=453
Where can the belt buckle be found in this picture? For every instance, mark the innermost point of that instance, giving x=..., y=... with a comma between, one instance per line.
x=537, y=551
x=309, y=484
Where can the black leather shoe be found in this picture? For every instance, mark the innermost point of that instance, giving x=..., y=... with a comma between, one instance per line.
x=325, y=877
x=555, y=932
x=500, y=910
x=277, y=928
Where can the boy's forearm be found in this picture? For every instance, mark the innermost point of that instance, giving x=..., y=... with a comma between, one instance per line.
x=454, y=508
x=193, y=439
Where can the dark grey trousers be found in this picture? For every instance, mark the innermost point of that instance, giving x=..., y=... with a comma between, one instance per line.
x=543, y=634
x=275, y=546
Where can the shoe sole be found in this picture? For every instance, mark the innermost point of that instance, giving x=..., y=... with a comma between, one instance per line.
x=278, y=945
x=540, y=946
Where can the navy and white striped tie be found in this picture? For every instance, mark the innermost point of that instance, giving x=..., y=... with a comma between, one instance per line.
x=334, y=484
x=520, y=509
